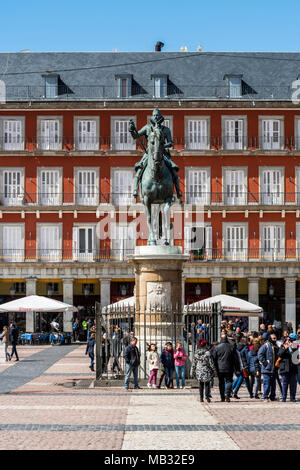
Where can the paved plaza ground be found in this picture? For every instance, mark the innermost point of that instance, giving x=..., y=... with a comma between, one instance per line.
x=39, y=409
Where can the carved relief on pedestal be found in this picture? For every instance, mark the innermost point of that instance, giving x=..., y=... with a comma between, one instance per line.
x=158, y=295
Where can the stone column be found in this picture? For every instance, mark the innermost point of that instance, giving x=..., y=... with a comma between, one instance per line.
x=216, y=286
x=253, y=297
x=290, y=301
x=68, y=299
x=105, y=292
x=30, y=316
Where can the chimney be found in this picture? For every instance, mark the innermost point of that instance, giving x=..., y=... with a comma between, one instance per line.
x=158, y=46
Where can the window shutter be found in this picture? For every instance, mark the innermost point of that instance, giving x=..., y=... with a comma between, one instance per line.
x=12, y=135
x=49, y=187
x=208, y=241
x=75, y=243
x=13, y=245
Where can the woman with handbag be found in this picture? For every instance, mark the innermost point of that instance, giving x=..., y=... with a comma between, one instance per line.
x=255, y=369
x=287, y=369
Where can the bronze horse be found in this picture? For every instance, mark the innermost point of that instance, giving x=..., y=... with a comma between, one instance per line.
x=157, y=186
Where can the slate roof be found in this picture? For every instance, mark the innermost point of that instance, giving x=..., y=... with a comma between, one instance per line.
x=191, y=75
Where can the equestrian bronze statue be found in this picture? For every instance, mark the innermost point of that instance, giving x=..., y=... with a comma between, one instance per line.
x=156, y=173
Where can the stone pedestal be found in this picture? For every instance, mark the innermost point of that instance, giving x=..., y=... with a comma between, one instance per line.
x=158, y=295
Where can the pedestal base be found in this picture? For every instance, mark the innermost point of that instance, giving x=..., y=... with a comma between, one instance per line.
x=158, y=296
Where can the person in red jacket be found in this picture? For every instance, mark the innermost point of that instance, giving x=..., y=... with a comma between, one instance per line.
x=180, y=357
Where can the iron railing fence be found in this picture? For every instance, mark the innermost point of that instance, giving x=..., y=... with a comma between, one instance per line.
x=156, y=325
x=124, y=143
x=50, y=255
x=147, y=91
x=92, y=196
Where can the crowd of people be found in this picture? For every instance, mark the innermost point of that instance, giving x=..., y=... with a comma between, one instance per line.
x=262, y=360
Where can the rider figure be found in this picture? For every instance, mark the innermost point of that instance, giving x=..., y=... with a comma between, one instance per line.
x=155, y=120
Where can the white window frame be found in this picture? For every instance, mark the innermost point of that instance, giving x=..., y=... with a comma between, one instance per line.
x=83, y=145
x=88, y=255
x=49, y=144
x=51, y=88
x=238, y=253
x=205, y=196
x=87, y=198
x=232, y=199
x=53, y=199
x=274, y=253
x=234, y=86
x=207, y=242
x=125, y=199
x=202, y=142
x=118, y=244
x=298, y=241
x=269, y=196
x=120, y=79
x=266, y=143
x=16, y=254
x=160, y=85
x=49, y=254
x=128, y=144
x=297, y=186
x=297, y=133
x=236, y=140
x=15, y=195
x=12, y=146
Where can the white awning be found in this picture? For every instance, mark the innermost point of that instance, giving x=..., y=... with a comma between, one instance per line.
x=230, y=306
x=36, y=303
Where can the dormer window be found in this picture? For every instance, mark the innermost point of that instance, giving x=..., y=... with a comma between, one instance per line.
x=234, y=86
x=124, y=85
x=160, y=86
x=51, y=85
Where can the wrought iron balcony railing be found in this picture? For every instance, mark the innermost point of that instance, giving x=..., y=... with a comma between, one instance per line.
x=91, y=196
x=124, y=143
x=102, y=255
x=147, y=92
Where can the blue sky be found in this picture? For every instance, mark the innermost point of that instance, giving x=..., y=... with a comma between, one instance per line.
x=131, y=25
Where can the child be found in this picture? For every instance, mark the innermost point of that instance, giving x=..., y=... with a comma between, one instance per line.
x=153, y=361
x=180, y=358
x=90, y=350
x=167, y=361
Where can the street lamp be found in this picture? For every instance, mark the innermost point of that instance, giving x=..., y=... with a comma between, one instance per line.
x=198, y=289
x=12, y=291
x=271, y=290
x=123, y=290
x=49, y=291
x=86, y=291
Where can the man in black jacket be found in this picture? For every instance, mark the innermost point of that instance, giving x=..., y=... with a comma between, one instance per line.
x=226, y=361
x=132, y=359
x=14, y=335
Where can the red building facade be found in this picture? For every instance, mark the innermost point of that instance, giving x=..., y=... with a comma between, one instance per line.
x=66, y=174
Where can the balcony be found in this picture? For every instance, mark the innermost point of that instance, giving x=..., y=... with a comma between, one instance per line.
x=116, y=255
x=104, y=144
x=92, y=197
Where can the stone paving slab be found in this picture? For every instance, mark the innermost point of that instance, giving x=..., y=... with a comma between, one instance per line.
x=56, y=440
x=177, y=440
